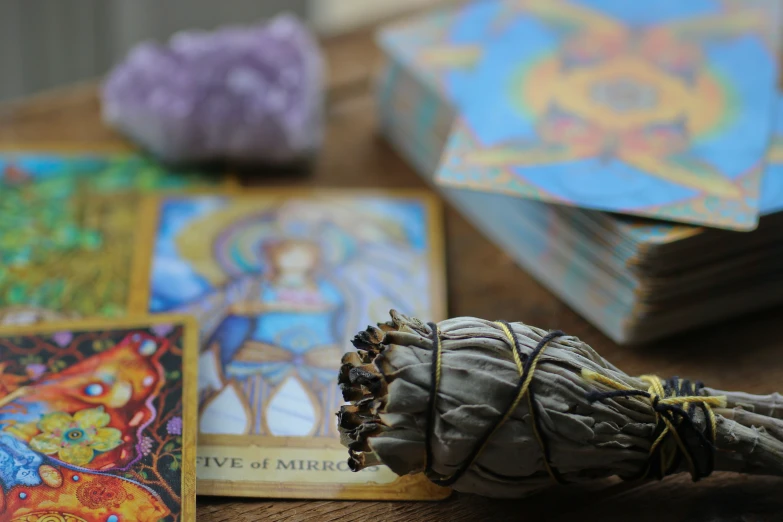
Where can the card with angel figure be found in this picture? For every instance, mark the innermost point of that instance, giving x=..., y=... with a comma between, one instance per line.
x=279, y=281
x=97, y=420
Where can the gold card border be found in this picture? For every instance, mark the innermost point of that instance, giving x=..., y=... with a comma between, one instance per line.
x=189, y=384
x=410, y=487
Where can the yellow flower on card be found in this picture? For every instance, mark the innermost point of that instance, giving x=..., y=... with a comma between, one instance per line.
x=76, y=438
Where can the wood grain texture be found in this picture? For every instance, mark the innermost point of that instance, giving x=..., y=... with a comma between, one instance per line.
x=744, y=354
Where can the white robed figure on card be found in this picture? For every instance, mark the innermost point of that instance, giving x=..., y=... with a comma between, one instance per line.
x=293, y=282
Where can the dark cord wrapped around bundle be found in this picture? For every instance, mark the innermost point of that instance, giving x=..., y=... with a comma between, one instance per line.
x=505, y=409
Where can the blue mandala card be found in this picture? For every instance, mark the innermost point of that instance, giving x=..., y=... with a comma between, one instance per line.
x=660, y=110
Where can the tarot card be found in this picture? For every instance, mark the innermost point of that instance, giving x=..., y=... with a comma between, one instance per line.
x=610, y=105
x=280, y=281
x=67, y=224
x=629, y=275
x=98, y=420
x=443, y=46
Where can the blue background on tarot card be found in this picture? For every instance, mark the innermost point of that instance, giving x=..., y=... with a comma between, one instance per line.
x=473, y=24
x=771, y=190
x=641, y=13
x=408, y=214
x=772, y=185
x=43, y=166
x=173, y=280
x=495, y=120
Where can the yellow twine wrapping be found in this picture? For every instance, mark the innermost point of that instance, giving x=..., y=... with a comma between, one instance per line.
x=657, y=392
x=523, y=391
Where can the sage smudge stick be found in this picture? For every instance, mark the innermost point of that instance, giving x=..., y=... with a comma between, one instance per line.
x=506, y=409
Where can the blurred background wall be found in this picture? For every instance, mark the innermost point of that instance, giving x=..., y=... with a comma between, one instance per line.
x=49, y=43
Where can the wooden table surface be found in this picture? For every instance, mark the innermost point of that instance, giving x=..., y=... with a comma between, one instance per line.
x=744, y=354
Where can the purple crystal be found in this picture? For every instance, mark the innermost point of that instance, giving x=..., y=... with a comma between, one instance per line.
x=251, y=94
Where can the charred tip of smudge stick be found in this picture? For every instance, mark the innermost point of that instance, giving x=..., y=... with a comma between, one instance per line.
x=369, y=339
x=361, y=376
x=347, y=418
x=351, y=394
x=354, y=461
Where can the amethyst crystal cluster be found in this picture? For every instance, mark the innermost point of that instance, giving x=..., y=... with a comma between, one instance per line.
x=246, y=94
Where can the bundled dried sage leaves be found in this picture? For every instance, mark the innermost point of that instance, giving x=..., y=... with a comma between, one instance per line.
x=504, y=410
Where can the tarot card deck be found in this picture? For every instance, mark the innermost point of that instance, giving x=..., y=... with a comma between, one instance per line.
x=279, y=280
x=636, y=279
x=660, y=110
x=97, y=420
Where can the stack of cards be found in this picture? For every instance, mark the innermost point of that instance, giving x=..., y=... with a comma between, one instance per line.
x=564, y=130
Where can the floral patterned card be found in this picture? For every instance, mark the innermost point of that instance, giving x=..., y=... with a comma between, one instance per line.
x=280, y=282
x=97, y=421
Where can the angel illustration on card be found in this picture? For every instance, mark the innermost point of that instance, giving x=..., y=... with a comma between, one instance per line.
x=277, y=283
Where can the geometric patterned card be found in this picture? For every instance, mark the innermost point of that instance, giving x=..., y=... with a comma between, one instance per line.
x=440, y=50
x=770, y=200
x=612, y=105
x=442, y=47
x=280, y=281
x=67, y=223
x=98, y=421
